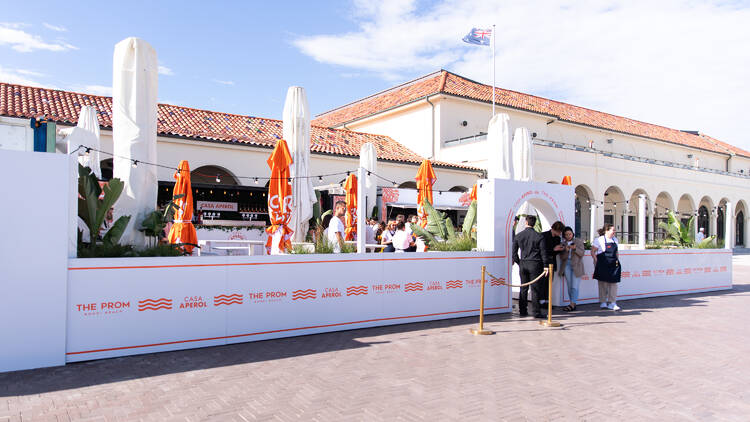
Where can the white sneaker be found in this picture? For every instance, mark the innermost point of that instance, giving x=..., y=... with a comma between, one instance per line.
x=613, y=306
x=603, y=305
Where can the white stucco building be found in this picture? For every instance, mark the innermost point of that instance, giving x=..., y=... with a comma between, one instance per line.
x=611, y=159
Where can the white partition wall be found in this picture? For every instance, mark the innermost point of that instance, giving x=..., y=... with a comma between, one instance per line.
x=122, y=307
x=33, y=259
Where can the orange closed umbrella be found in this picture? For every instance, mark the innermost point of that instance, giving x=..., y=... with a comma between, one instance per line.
x=567, y=181
x=279, y=198
x=183, y=230
x=425, y=179
x=473, y=194
x=350, y=187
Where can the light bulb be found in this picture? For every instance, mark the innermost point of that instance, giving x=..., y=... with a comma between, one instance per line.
x=218, y=179
x=256, y=180
x=135, y=163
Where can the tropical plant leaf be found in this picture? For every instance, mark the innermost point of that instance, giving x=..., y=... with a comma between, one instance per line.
x=471, y=217
x=115, y=232
x=707, y=243
x=153, y=224
x=427, y=237
x=435, y=220
x=112, y=192
x=449, y=228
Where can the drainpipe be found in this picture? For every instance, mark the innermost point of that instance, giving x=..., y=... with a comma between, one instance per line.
x=432, y=138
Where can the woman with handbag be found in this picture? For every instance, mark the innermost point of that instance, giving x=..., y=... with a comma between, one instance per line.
x=606, y=266
x=571, y=265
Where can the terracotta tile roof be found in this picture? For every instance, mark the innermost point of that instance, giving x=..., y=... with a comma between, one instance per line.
x=444, y=82
x=64, y=106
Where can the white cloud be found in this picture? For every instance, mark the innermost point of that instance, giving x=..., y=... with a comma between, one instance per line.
x=98, y=90
x=11, y=34
x=219, y=81
x=163, y=70
x=54, y=27
x=29, y=72
x=679, y=63
x=21, y=77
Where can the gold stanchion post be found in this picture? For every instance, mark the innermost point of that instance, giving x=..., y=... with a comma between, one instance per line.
x=481, y=331
x=549, y=322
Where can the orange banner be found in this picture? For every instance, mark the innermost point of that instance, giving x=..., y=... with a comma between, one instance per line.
x=473, y=194
x=183, y=231
x=279, y=197
x=350, y=187
x=425, y=179
x=567, y=181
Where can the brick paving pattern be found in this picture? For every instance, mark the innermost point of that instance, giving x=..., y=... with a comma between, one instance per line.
x=670, y=358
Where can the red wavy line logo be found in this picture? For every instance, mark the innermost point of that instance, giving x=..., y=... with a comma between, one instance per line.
x=497, y=282
x=454, y=284
x=356, y=290
x=154, y=304
x=233, y=299
x=304, y=294
x=413, y=287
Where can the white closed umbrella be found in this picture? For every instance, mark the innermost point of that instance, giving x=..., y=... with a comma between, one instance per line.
x=296, y=132
x=134, y=114
x=523, y=155
x=368, y=160
x=89, y=123
x=85, y=134
x=500, y=161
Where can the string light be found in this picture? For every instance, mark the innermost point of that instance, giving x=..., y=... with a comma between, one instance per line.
x=218, y=179
x=88, y=150
x=320, y=178
x=135, y=163
x=256, y=180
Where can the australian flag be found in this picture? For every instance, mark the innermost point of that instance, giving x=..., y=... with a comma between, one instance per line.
x=478, y=36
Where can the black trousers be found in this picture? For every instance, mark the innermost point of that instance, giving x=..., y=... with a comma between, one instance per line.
x=530, y=270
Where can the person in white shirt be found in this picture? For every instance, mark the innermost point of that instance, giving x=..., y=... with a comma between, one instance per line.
x=335, y=230
x=700, y=236
x=607, y=269
x=401, y=240
x=387, y=236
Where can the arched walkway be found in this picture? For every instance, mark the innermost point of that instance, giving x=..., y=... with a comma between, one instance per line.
x=633, y=223
x=213, y=175
x=685, y=208
x=583, y=200
x=706, y=216
x=662, y=205
x=614, y=208
x=739, y=223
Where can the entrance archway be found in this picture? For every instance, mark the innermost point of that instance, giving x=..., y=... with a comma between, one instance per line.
x=213, y=175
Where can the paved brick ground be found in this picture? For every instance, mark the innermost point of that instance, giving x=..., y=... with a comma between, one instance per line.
x=672, y=358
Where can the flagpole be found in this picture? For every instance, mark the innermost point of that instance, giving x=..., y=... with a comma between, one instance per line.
x=493, y=69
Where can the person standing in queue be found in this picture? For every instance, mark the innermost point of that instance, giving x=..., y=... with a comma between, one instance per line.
x=531, y=263
x=571, y=265
x=606, y=266
x=553, y=247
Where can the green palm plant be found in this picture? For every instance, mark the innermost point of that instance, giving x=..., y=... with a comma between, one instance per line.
x=683, y=234
x=92, y=209
x=439, y=234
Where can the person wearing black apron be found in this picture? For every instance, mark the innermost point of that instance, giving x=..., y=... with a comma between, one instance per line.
x=607, y=267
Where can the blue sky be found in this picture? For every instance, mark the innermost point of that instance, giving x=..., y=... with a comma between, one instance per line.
x=677, y=63
x=236, y=58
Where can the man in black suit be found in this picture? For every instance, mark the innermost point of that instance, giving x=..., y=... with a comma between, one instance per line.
x=531, y=263
x=553, y=247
